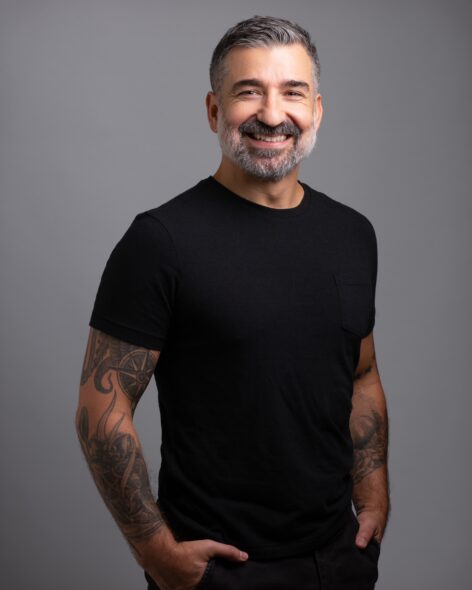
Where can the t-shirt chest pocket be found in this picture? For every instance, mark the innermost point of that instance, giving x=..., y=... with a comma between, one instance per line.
x=356, y=302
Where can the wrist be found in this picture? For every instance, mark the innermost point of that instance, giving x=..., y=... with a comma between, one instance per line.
x=161, y=543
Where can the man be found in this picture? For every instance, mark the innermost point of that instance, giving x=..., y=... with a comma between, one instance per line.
x=251, y=297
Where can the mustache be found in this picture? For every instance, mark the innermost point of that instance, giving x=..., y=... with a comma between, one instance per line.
x=262, y=129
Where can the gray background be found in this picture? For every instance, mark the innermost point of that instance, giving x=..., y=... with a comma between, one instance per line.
x=101, y=117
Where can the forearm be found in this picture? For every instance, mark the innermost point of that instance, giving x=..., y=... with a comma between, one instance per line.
x=372, y=491
x=114, y=455
x=369, y=431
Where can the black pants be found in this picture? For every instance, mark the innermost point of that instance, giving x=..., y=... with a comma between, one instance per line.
x=338, y=565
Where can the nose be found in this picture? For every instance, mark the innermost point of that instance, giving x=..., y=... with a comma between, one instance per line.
x=270, y=110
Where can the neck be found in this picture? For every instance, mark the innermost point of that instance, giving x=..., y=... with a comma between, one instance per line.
x=283, y=194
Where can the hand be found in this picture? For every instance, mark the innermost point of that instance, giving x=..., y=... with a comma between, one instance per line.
x=371, y=524
x=180, y=565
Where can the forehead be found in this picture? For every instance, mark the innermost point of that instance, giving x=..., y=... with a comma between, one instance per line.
x=269, y=64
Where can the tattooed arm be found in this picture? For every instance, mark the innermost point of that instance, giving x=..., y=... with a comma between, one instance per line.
x=114, y=377
x=369, y=432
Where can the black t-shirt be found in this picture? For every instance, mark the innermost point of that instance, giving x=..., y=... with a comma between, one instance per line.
x=258, y=313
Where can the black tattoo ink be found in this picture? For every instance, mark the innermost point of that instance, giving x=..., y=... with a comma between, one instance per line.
x=370, y=438
x=133, y=365
x=119, y=470
x=367, y=370
x=362, y=373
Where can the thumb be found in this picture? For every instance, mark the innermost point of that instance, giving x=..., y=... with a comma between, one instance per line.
x=363, y=536
x=227, y=551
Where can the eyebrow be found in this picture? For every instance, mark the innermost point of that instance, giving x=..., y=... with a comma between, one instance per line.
x=258, y=84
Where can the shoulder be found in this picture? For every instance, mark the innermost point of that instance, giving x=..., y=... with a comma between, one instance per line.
x=156, y=226
x=342, y=212
x=179, y=207
x=344, y=219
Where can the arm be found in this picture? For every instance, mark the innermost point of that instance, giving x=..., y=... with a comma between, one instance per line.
x=369, y=431
x=114, y=376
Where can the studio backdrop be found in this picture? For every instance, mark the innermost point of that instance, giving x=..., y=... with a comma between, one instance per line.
x=102, y=116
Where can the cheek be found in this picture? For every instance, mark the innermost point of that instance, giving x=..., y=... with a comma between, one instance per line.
x=303, y=117
x=240, y=114
x=306, y=126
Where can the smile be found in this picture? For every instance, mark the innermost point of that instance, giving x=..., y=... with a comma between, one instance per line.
x=265, y=140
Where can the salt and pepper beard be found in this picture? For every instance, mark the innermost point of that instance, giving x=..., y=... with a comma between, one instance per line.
x=271, y=164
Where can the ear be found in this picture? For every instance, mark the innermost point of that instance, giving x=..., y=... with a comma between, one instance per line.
x=212, y=110
x=318, y=110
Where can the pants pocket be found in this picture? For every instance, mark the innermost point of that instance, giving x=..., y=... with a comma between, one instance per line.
x=345, y=566
x=203, y=584
x=205, y=579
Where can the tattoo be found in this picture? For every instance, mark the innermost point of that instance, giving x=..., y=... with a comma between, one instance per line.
x=367, y=370
x=133, y=365
x=370, y=439
x=364, y=372
x=119, y=470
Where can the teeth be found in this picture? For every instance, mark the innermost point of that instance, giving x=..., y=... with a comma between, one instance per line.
x=270, y=138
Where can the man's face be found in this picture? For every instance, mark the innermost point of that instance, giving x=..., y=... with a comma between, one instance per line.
x=268, y=111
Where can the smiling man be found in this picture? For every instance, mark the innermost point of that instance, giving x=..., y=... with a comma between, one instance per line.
x=251, y=299
x=267, y=122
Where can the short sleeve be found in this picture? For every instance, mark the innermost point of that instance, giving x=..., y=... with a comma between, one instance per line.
x=136, y=294
x=373, y=264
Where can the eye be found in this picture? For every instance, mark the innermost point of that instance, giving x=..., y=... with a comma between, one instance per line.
x=292, y=93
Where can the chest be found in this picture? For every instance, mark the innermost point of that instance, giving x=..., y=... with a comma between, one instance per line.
x=267, y=294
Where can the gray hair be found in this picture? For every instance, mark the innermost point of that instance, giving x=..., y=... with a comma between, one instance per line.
x=260, y=31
